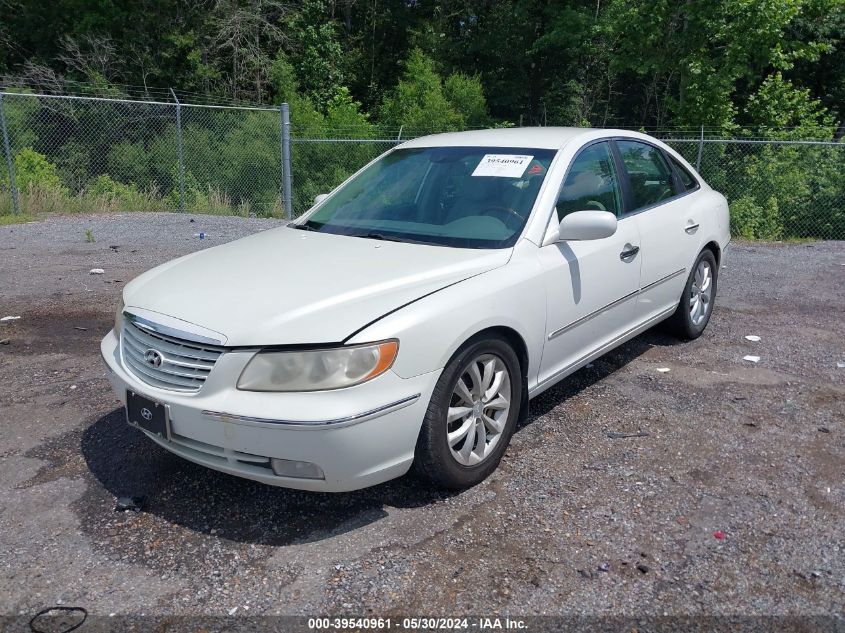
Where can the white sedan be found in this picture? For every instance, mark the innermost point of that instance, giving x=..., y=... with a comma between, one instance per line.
x=410, y=315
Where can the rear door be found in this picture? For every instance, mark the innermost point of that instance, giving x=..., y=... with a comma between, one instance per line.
x=656, y=201
x=591, y=285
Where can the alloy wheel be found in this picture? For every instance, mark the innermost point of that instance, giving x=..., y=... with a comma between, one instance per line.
x=701, y=293
x=478, y=409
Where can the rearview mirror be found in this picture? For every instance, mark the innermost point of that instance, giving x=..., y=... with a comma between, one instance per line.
x=320, y=197
x=584, y=225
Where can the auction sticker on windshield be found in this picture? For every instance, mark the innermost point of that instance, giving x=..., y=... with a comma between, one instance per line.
x=502, y=165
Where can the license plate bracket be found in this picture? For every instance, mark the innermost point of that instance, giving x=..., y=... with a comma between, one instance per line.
x=147, y=414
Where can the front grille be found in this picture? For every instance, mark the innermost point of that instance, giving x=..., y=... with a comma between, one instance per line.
x=184, y=365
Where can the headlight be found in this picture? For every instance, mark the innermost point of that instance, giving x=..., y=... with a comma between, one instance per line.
x=118, y=315
x=317, y=370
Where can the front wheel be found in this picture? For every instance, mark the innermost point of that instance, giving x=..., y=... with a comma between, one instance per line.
x=471, y=416
x=696, y=305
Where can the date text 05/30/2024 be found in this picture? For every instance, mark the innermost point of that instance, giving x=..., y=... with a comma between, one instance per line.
x=417, y=624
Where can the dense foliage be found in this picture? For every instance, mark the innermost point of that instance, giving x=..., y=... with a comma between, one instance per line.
x=622, y=62
x=362, y=68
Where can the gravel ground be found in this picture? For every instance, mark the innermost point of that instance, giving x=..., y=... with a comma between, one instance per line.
x=573, y=522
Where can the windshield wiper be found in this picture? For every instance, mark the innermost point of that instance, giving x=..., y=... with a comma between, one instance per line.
x=392, y=238
x=302, y=227
x=381, y=236
x=374, y=235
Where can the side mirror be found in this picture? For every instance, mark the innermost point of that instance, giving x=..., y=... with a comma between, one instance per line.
x=320, y=197
x=584, y=225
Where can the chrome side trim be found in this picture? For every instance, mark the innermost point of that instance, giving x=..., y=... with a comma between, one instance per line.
x=587, y=317
x=590, y=356
x=169, y=331
x=663, y=279
x=319, y=424
x=613, y=304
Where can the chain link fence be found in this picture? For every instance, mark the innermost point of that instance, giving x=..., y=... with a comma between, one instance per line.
x=777, y=189
x=320, y=164
x=85, y=154
x=93, y=154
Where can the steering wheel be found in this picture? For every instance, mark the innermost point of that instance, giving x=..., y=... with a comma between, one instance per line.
x=503, y=213
x=598, y=204
x=666, y=193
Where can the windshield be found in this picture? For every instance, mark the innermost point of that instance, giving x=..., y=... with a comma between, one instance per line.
x=467, y=197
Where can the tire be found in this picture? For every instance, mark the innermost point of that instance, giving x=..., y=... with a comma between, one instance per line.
x=685, y=322
x=462, y=465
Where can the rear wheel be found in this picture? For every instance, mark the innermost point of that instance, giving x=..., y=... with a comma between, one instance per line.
x=471, y=416
x=696, y=305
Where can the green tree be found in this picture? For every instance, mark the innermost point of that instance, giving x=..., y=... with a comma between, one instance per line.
x=821, y=22
x=317, y=53
x=784, y=110
x=466, y=96
x=422, y=103
x=691, y=61
x=33, y=170
x=284, y=84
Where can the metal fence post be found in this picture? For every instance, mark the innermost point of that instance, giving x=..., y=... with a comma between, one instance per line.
x=9, y=162
x=287, y=192
x=181, y=157
x=700, y=148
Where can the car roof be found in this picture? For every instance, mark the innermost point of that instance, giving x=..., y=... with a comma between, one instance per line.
x=534, y=137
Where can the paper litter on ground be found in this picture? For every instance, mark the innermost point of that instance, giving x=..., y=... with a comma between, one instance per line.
x=751, y=359
x=96, y=271
x=752, y=337
x=10, y=318
x=663, y=370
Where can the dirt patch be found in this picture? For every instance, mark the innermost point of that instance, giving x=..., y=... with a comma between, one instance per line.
x=60, y=330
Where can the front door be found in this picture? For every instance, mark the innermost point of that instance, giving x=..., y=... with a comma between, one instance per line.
x=591, y=286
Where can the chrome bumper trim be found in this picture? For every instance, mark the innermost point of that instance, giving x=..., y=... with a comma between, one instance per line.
x=318, y=424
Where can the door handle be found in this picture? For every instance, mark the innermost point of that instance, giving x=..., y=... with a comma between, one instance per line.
x=692, y=227
x=628, y=253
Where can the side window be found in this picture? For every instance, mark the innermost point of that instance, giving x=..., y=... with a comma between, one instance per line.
x=687, y=178
x=591, y=183
x=650, y=176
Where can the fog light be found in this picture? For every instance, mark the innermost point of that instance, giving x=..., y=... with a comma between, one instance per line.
x=300, y=470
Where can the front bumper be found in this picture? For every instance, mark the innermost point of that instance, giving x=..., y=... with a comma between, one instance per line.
x=359, y=436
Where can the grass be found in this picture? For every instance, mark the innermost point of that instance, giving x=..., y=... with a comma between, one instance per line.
x=207, y=200
x=11, y=218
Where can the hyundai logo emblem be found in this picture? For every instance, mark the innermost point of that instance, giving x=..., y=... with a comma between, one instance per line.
x=153, y=358
x=146, y=414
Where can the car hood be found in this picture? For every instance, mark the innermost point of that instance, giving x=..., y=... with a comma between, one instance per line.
x=286, y=286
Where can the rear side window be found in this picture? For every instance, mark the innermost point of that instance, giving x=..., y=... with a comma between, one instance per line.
x=687, y=178
x=650, y=176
